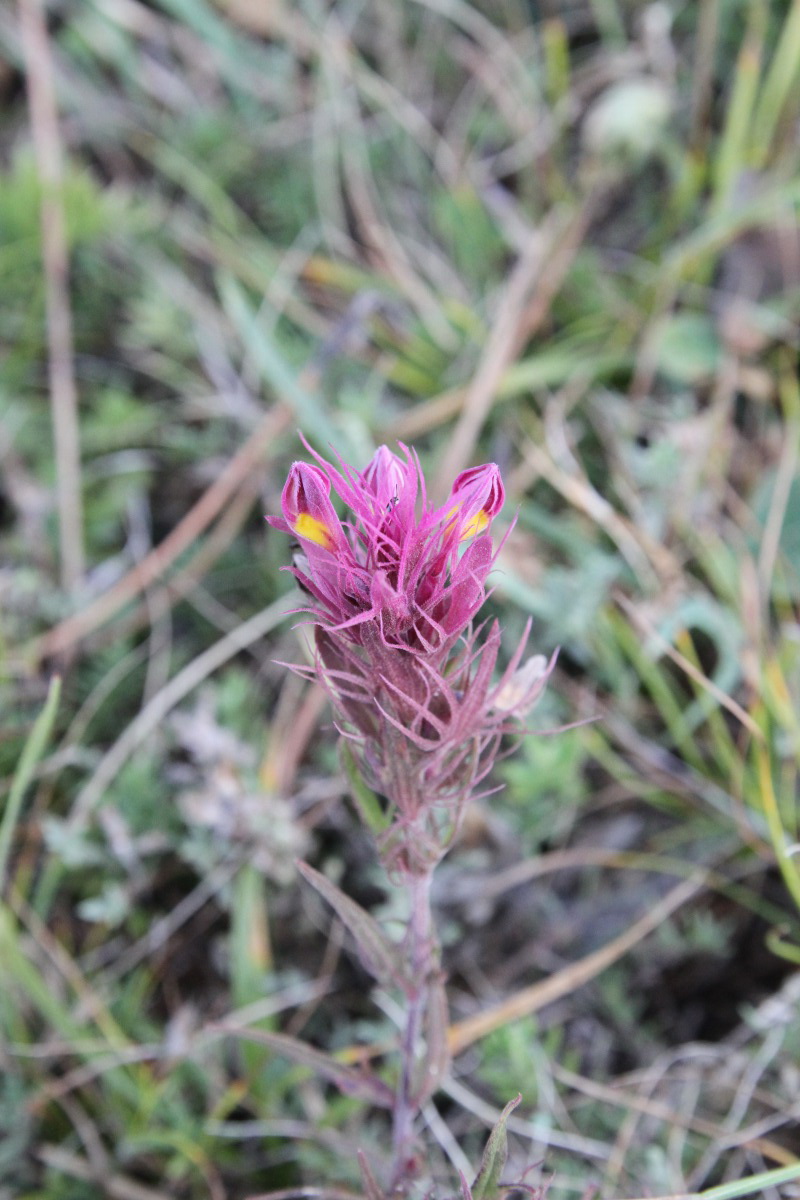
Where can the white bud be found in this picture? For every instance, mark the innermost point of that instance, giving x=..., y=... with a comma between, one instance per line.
x=522, y=690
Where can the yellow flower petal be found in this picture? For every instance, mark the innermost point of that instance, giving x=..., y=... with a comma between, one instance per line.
x=476, y=525
x=312, y=530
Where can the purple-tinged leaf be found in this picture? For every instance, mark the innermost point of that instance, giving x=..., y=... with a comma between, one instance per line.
x=350, y=1081
x=377, y=954
x=371, y=1189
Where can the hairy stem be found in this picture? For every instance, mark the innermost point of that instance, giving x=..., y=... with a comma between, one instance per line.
x=420, y=947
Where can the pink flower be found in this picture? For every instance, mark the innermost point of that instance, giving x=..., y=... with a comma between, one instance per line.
x=308, y=510
x=394, y=590
x=385, y=477
x=478, y=494
x=403, y=569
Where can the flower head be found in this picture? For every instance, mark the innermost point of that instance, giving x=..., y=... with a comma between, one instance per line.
x=394, y=589
x=403, y=569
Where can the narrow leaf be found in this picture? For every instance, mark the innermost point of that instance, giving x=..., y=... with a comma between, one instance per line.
x=376, y=953
x=487, y=1181
x=31, y=753
x=777, y=943
x=365, y=800
x=753, y=1184
x=268, y=356
x=371, y=1188
x=347, y=1079
x=251, y=956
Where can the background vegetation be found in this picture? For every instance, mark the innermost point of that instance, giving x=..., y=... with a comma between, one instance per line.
x=562, y=236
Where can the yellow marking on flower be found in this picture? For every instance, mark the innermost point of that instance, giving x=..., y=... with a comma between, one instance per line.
x=476, y=525
x=313, y=530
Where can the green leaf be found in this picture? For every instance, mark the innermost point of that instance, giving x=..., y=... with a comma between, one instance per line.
x=366, y=801
x=785, y=583
x=779, y=90
x=111, y=906
x=250, y=943
x=32, y=752
x=688, y=348
x=776, y=941
x=284, y=380
x=754, y=1184
x=487, y=1181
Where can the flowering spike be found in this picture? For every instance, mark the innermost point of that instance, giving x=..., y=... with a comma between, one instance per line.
x=393, y=593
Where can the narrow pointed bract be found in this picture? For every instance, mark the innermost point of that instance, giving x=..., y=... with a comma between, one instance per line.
x=394, y=588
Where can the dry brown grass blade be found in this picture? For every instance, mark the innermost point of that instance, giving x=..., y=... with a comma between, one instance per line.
x=184, y=582
x=524, y=305
x=236, y=512
x=156, y=711
x=426, y=415
x=462, y=1034
x=276, y=19
x=260, y=17
x=497, y=355
x=290, y=732
x=503, y=880
x=650, y=561
x=722, y=698
x=646, y=1106
x=384, y=247
x=63, y=636
x=40, y=81
x=534, y=998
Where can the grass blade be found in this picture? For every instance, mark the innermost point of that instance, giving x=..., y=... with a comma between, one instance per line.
x=32, y=752
x=753, y=1184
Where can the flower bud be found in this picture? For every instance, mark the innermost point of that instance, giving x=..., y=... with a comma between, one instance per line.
x=385, y=477
x=307, y=508
x=476, y=497
x=520, y=691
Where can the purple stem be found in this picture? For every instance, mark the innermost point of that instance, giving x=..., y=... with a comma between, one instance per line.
x=420, y=952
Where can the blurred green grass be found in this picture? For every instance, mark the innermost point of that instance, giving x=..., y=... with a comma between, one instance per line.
x=561, y=236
